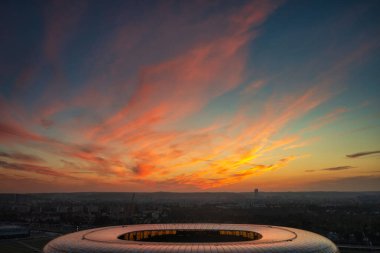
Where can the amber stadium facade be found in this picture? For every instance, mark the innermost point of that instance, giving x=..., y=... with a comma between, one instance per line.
x=198, y=237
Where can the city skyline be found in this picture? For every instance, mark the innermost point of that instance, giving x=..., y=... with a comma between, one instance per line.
x=189, y=96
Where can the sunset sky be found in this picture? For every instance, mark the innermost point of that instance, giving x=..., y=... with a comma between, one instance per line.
x=189, y=96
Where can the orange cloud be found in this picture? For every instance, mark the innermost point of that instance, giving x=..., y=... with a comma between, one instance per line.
x=206, y=179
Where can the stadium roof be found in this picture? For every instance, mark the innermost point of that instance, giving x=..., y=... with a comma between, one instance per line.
x=273, y=239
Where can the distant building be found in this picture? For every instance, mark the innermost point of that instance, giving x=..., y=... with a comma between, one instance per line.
x=92, y=209
x=21, y=208
x=62, y=209
x=256, y=193
x=77, y=209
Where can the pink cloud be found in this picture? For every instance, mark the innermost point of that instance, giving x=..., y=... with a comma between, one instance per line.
x=37, y=169
x=21, y=157
x=10, y=132
x=209, y=68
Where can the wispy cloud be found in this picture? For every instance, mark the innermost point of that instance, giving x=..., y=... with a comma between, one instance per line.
x=31, y=168
x=21, y=157
x=204, y=179
x=360, y=154
x=12, y=132
x=338, y=168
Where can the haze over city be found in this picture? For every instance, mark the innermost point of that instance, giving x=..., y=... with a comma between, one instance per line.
x=188, y=96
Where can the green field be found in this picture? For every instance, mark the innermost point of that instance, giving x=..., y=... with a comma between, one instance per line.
x=28, y=245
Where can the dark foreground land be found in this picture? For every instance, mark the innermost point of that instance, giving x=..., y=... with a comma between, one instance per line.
x=349, y=219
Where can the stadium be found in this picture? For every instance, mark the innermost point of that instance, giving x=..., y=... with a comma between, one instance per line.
x=202, y=237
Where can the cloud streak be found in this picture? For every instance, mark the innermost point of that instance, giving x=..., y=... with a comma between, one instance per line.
x=360, y=154
x=338, y=168
x=31, y=168
x=21, y=157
